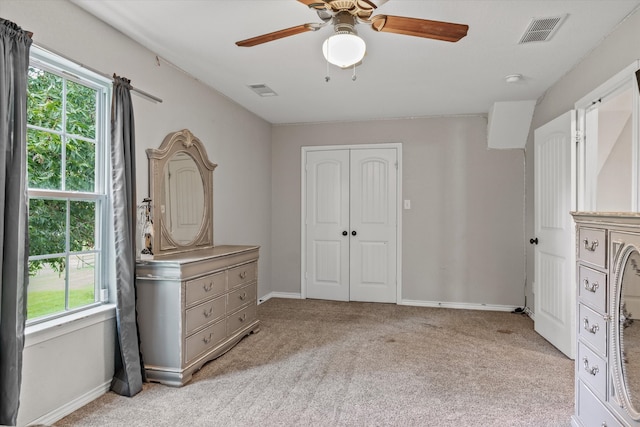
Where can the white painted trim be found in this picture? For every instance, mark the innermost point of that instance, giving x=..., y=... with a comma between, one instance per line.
x=608, y=87
x=586, y=182
x=303, y=191
x=458, y=305
x=72, y=406
x=288, y=295
x=46, y=331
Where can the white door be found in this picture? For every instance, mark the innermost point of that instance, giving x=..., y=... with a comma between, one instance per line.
x=555, y=197
x=327, y=225
x=373, y=225
x=351, y=224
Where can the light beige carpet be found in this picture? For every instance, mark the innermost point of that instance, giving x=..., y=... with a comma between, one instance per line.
x=322, y=363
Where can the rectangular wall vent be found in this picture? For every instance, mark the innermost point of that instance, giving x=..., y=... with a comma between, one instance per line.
x=541, y=29
x=262, y=90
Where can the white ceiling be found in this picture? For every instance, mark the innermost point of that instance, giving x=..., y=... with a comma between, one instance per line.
x=401, y=76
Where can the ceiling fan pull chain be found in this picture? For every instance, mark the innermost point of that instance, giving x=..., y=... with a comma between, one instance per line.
x=327, y=77
x=354, y=77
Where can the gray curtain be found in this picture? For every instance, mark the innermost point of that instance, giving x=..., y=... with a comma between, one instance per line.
x=129, y=373
x=14, y=247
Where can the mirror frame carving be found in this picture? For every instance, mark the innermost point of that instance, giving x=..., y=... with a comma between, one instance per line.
x=620, y=255
x=176, y=142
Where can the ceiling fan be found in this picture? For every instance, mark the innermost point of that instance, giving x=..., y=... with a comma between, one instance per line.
x=346, y=14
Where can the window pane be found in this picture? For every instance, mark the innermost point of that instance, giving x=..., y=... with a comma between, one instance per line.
x=81, y=159
x=81, y=110
x=44, y=102
x=46, y=291
x=82, y=280
x=44, y=159
x=47, y=226
x=83, y=225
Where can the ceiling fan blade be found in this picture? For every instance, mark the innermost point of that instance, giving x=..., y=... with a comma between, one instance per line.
x=269, y=37
x=439, y=30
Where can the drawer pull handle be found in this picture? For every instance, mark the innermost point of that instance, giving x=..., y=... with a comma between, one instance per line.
x=207, y=340
x=593, y=328
x=207, y=313
x=207, y=286
x=591, y=247
x=591, y=287
x=591, y=370
x=243, y=274
x=243, y=317
x=243, y=296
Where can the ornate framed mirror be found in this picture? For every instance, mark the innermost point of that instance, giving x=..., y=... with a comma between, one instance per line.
x=181, y=189
x=625, y=326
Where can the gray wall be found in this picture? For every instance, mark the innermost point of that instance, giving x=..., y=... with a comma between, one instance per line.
x=238, y=141
x=616, y=52
x=463, y=236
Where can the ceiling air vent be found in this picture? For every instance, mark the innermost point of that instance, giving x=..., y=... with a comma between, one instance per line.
x=262, y=90
x=541, y=29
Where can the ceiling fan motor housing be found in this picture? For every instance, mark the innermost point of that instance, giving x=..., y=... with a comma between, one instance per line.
x=344, y=23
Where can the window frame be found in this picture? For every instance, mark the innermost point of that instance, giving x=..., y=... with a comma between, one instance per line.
x=71, y=71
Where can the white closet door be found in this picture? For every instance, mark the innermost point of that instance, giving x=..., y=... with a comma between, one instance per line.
x=373, y=225
x=327, y=225
x=351, y=224
x=555, y=186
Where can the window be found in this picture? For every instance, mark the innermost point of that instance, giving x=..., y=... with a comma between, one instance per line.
x=67, y=134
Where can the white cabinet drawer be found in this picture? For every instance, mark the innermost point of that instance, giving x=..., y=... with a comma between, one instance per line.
x=202, y=341
x=592, y=246
x=205, y=287
x=591, y=412
x=242, y=274
x=592, y=288
x=593, y=329
x=240, y=297
x=240, y=319
x=208, y=312
x=592, y=369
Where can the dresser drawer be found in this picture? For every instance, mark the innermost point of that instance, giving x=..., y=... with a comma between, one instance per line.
x=592, y=288
x=592, y=246
x=242, y=274
x=592, y=369
x=240, y=297
x=593, y=329
x=240, y=319
x=591, y=412
x=202, y=341
x=205, y=287
x=210, y=311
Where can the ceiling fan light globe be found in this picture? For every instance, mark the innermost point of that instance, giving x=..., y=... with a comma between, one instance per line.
x=344, y=50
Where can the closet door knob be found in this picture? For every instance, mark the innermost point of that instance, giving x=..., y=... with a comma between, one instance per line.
x=353, y=233
x=533, y=241
x=344, y=233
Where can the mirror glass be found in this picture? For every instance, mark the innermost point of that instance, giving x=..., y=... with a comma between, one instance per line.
x=630, y=328
x=183, y=208
x=181, y=193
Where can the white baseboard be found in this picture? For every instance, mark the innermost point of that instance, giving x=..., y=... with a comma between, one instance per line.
x=61, y=412
x=458, y=305
x=530, y=313
x=417, y=303
x=290, y=295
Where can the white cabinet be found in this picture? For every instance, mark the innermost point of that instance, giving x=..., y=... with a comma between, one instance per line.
x=193, y=307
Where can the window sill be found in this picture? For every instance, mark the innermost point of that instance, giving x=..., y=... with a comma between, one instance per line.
x=67, y=324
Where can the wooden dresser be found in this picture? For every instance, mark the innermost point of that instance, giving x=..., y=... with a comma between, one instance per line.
x=607, y=244
x=193, y=307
